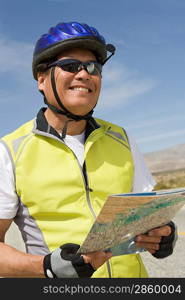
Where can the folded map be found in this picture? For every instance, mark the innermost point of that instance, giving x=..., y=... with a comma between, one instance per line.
x=125, y=216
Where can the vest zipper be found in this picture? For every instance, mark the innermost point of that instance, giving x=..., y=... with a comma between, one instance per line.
x=85, y=180
x=93, y=213
x=88, y=189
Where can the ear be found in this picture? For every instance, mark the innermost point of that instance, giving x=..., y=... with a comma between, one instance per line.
x=41, y=79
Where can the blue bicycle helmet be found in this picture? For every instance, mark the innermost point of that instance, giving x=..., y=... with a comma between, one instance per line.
x=62, y=37
x=66, y=36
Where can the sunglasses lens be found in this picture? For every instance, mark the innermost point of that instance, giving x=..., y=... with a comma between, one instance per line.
x=90, y=68
x=74, y=66
x=93, y=68
x=70, y=67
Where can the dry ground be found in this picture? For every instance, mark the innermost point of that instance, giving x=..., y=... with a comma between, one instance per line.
x=170, y=179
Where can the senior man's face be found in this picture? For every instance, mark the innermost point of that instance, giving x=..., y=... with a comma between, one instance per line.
x=79, y=91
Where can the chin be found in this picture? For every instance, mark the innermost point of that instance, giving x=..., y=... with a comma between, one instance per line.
x=80, y=110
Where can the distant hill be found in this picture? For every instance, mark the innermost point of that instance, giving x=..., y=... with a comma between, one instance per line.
x=168, y=159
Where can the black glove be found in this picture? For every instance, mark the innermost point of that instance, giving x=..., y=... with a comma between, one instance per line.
x=167, y=243
x=65, y=263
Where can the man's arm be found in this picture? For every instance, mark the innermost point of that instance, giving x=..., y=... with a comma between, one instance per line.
x=4, y=225
x=160, y=241
x=14, y=263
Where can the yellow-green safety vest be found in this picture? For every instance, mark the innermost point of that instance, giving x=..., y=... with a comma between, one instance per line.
x=63, y=205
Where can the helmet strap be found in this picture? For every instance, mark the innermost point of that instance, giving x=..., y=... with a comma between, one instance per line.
x=53, y=108
x=53, y=84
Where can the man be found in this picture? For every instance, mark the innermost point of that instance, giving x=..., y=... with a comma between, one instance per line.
x=57, y=170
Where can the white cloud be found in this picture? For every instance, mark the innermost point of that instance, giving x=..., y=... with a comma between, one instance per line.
x=15, y=56
x=119, y=42
x=59, y=1
x=120, y=85
x=155, y=122
x=161, y=136
x=114, y=71
x=15, y=71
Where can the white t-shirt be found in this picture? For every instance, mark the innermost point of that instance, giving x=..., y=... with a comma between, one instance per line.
x=143, y=181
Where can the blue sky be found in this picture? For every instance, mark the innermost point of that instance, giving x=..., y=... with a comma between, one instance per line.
x=143, y=84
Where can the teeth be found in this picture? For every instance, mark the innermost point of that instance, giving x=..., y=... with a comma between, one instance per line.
x=80, y=89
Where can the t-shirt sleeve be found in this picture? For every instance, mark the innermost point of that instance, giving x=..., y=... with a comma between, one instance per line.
x=8, y=198
x=143, y=180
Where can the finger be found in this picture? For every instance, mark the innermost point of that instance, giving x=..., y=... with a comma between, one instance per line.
x=148, y=239
x=107, y=255
x=148, y=246
x=100, y=259
x=96, y=259
x=151, y=251
x=99, y=255
x=161, y=231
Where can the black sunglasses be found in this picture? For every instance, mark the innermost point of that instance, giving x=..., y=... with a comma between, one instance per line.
x=74, y=66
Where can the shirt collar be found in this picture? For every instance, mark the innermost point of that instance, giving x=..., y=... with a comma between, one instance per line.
x=42, y=125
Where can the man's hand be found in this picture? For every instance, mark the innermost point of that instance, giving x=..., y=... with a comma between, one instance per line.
x=64, y=262
x=96, y=259
x=159, y=241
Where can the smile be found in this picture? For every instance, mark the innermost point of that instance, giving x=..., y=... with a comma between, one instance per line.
x=83, y=89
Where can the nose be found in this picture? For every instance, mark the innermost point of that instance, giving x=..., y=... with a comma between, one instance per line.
x=82, y=74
